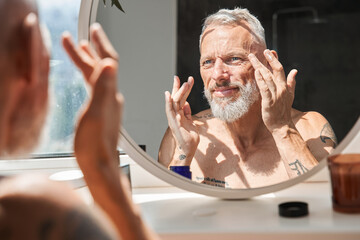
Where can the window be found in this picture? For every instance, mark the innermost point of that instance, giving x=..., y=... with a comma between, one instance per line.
x=66, y=94
x=67, y=91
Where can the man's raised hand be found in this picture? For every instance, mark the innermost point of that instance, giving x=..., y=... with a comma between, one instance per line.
x=180, y=122
x=84, y=56
x=277, y=91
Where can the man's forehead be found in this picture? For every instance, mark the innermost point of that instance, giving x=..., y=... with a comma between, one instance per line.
x=235, y=37
x=242, y=28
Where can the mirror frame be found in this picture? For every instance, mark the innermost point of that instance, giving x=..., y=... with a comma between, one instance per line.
x=87, y=16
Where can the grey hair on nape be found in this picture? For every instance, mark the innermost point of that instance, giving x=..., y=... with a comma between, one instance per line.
x=235, y=17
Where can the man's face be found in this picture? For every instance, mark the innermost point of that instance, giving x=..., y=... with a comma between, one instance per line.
x=228, y=76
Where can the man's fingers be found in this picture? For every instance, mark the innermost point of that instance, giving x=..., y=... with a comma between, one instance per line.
x=278, y=70
x=70, y=48
x=255, y=62
x=168, y=106
x=103, y=82
x=187, y=110
x=80, y=59
x=173, y=118
x=85, y=46
x=101, y=42
x=269, y=79
x=104, y=79
x=263, y=72
x=184, y=98
x=176, y=85
x=179, y=96
x=170, y=114
x=265, y=93
x=291, y=81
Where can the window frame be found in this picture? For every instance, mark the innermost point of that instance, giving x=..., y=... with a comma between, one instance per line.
x=51, y=163
x=62, y=161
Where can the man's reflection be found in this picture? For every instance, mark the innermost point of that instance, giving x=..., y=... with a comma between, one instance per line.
x=251, y=136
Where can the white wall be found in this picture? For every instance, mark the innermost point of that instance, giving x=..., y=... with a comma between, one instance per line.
x=145, y=38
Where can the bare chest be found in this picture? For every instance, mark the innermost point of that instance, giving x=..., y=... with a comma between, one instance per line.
x=219, y=162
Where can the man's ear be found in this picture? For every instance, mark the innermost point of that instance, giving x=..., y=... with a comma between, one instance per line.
x=275, y=53
x=31, y=49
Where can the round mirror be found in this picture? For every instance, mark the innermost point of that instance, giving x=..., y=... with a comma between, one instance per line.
x=156, y=40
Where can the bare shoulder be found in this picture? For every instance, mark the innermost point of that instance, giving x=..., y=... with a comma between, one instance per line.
x=37, y=189
x=313, y=125
x=309, y=120
x=26, y=183
x=47, y=209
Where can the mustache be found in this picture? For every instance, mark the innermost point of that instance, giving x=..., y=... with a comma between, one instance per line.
x=225, y=84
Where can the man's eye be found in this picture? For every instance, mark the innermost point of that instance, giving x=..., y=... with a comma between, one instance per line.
x=235, y=60
x=207, y=62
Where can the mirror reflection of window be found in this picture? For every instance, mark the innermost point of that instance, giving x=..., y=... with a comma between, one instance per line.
x=67, y=89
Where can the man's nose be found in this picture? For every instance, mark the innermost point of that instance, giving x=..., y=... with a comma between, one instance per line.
x=220, y=71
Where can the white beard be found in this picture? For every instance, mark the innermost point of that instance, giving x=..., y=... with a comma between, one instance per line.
x=228, y=110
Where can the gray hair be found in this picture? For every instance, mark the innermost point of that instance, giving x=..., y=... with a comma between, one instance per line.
x=234, y=17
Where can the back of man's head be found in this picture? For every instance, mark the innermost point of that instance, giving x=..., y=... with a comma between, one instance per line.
x=12, y=14
x=24, y=67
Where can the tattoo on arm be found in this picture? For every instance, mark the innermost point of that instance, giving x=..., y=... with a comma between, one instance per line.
x=209, y=115
x=181, y=156
x=327, y=133
x=298, y=167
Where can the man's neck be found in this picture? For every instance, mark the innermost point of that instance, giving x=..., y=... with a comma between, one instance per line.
x=249, y=129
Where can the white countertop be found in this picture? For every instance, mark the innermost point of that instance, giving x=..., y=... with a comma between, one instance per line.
x=177, y=214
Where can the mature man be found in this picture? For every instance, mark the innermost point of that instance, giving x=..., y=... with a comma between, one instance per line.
x=252, y=136
x=32, y=207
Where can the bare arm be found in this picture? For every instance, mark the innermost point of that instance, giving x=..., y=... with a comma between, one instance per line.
x=182, y=138
x=294, y=151
x=97, y=135
x=277, y=93
x=314, y=134
x=317, y=133
x=167, y=147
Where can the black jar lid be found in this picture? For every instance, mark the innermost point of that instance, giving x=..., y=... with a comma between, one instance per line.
x=293, y=209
